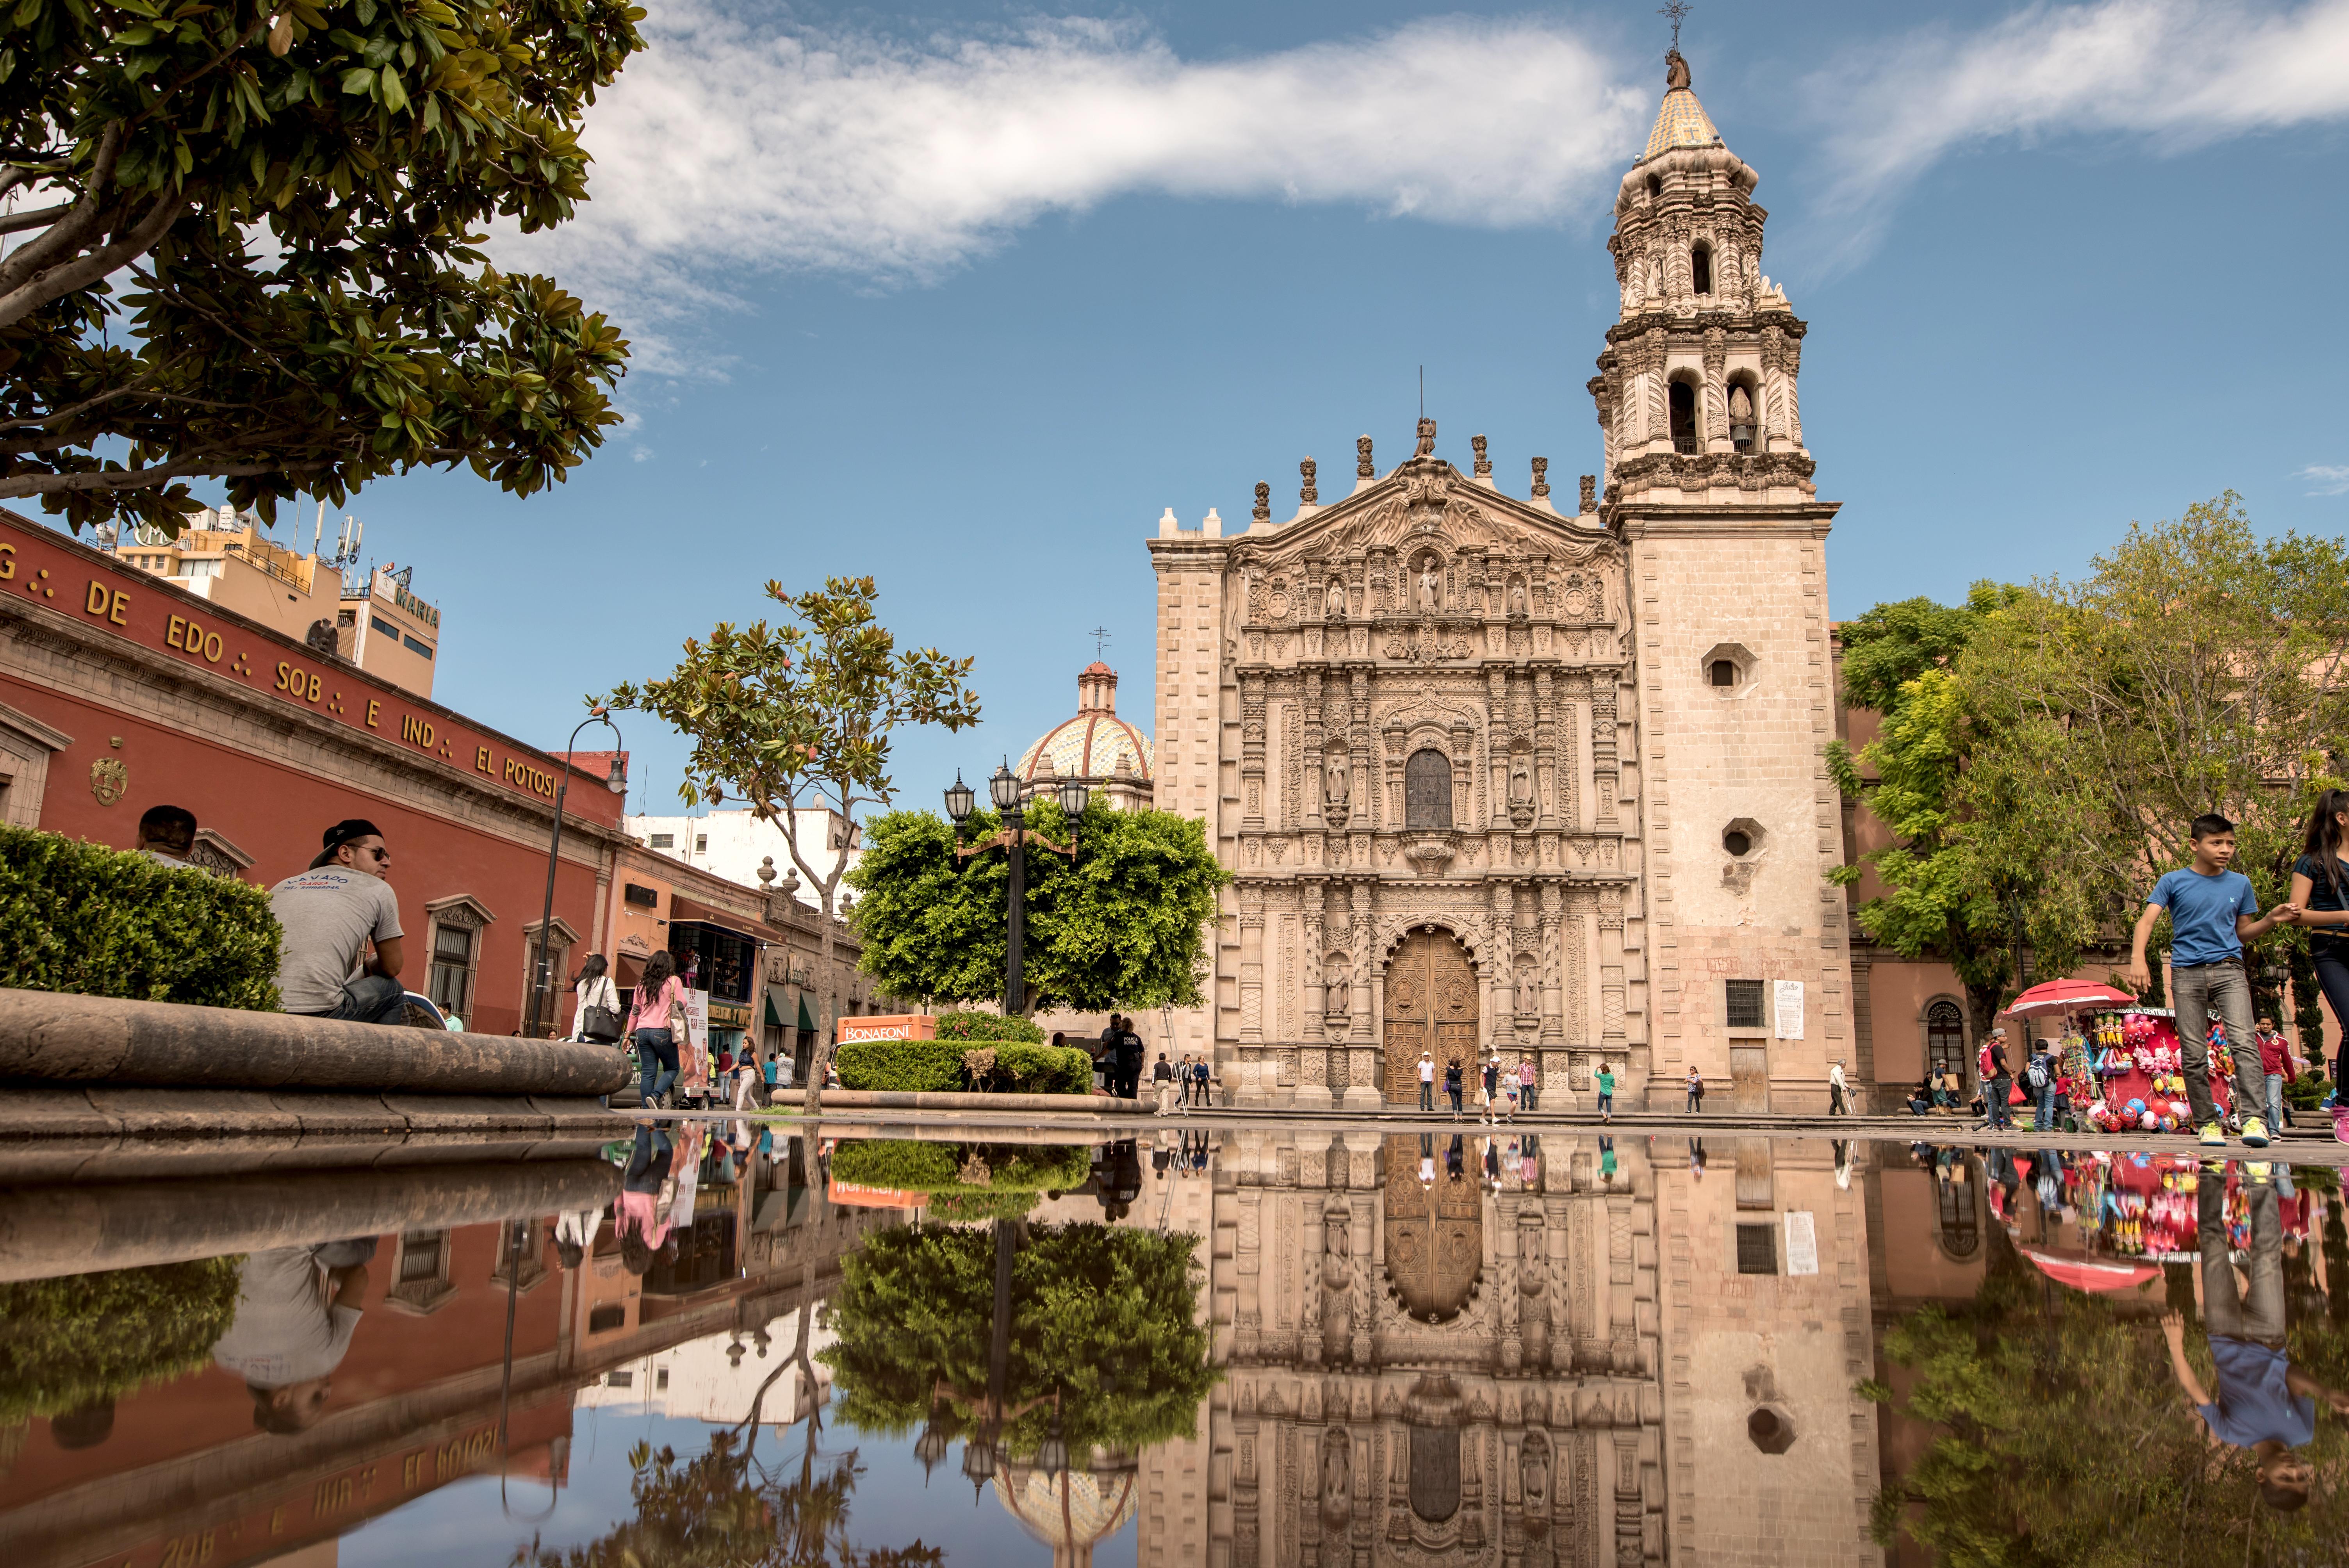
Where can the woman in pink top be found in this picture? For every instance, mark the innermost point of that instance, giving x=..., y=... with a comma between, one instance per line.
x=659, y=1007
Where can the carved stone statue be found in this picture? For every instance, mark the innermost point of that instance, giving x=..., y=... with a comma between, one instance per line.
x=1337, y=781
x=1363, y=468
x=1263, y=503
x=1676, y=71
x=1541, y=477
x=1337, y=599
x=1517, y=600
x=1529, y=993
x=1430, y=587
x=1483, y=460
x=1337, y=1298
x=1427, y=438
x=1308, y=493
x=1337, y=1480
x=1533, y=1484
x=1521, y=781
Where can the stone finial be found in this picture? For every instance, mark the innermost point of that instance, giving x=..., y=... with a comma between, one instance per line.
x=1308, y=493
x=1541, y=477
x=1363, y=468
x=1484, y=462
x=1589, y=493
x=1426, y=437
x=767, y=871
x=1263, y=503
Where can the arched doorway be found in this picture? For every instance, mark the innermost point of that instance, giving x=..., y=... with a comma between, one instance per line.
x=1431, y=1006
x=1435, y=1226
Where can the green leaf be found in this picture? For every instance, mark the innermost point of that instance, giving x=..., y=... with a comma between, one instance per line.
x=395, y=97
x=360, y=80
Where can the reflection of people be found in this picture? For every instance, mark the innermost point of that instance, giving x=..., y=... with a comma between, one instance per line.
x=2264, y=1403
x=636, y=1213
x=297, y=1309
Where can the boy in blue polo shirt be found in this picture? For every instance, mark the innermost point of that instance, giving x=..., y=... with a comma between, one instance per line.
x=2212, y=913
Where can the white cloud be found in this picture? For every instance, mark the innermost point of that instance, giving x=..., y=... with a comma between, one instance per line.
x=733, y=147
x=2178, y=73
x=2328, y=480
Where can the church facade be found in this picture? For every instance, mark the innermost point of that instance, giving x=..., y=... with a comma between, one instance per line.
x=1496, y=775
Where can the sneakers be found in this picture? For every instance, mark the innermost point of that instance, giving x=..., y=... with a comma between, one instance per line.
x=2257, y=1170
x=2215, y=1137
x=2255, y=1133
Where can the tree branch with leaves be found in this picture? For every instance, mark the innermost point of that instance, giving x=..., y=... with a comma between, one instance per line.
x=798, y=718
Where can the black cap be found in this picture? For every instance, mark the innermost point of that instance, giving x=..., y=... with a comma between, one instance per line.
x=342, y=833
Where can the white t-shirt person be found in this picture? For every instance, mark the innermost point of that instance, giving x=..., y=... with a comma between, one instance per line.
x=329, y=914
x=1426, y=1069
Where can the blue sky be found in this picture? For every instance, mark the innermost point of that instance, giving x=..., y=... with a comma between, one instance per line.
x=964, y=298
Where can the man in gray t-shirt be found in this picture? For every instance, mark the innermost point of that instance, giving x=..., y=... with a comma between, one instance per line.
x=330, y=913
x=297, y=1309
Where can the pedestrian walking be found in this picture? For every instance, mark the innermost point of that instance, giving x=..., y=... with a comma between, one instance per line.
x=331, y=914
x=2039, y=1075
x=2278, y=1069
x=1129, y=1057
x=1486, y=1110
x=1508, y=1101
x=1161, y=1082
x=656, y=1022
x=1528, y=1083
x=1452, y=1086
x=1998, y=1083
x=2212, y=910
x=1838, y=1093
x=1695, y=1090
x=1426, y=1082
x=596, y=1019
x=1206, y=1084
x=1605, y=1078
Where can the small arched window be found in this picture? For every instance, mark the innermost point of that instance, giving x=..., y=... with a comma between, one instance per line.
x=1427, y=789
x=1945, y=1039
x=1684, y=411
x=1701, y=269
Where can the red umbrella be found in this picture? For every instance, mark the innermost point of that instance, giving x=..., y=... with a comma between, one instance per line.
x=2081, y=1272
x=2066, y=996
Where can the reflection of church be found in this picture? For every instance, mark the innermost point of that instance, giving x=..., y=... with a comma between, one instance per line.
x=1496, y=774
x=1526, y=1352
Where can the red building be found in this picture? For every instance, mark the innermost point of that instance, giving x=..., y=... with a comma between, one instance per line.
x=120, y=692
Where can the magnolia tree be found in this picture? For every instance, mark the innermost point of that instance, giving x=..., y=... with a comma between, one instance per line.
x=797, y=718
x=247, y=246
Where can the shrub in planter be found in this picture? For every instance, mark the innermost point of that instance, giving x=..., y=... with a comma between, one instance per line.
x=951, y=1065
x=988, y=1027
x=80, y=917
x=1038, y=1070
x=918, y=1067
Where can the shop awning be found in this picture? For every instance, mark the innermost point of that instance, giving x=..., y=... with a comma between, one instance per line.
x=685, y=911
x=774, y=1020
x=805, y=1021
x=629, y=969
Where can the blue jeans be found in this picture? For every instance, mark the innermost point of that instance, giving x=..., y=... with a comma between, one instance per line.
x=2044, y=1119
x=371, y=999
x=2275, y=1100
x=655, y=1048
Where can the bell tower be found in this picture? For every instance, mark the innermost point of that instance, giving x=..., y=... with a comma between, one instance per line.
x=1709, y=484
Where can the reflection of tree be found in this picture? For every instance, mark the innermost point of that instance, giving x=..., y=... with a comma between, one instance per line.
x=1102, y=1316
x=719, y=1510
x=2062, y=1438
x=964, y=1181
x=71, y=1343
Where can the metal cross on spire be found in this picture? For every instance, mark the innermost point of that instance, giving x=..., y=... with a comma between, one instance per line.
x=1099, y=634
x=1674, y=11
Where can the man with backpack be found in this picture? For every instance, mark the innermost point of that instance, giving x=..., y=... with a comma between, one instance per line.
x=2038, y=1077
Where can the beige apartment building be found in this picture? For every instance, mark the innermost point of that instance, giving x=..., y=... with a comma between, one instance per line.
x=377, y=623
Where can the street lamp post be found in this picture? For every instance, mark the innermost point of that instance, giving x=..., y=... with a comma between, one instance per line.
x=1003, y=789
x=616, y=779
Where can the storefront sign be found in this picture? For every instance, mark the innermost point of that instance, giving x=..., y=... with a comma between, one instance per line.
x=892, y=1027
x=697, y=1015
x=852, y=1195
x=727, y=1015
x=125, y=602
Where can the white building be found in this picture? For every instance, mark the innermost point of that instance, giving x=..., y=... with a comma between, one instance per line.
x=717, y=1379
x=737, y=845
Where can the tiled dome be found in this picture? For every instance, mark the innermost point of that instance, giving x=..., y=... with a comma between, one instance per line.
x=1094, y=743
x=1070, y=1513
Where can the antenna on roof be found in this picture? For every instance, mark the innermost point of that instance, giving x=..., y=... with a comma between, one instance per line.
x=1099, y=634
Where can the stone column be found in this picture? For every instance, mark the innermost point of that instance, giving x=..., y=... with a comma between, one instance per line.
x=1496, y=745
x=1252, y=754
x=1605, y=767
x=1546, y=777
x=1314, y=817
x=1363, y=1091
x=1251, y=965
x=1553, y=917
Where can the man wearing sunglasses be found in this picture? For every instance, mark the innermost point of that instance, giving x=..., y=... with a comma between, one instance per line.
x=330, y=913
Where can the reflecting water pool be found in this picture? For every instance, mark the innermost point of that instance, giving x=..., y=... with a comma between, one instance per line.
x=706, y=1344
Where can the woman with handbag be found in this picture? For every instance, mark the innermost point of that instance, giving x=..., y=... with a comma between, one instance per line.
x=598, y=1020
x=657, y=1022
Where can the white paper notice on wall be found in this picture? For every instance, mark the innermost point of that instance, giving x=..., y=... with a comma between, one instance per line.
x=1789, y=1008
x=1802, y=1242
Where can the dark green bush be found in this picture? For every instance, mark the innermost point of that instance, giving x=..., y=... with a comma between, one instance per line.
x=81, y=1340
x=909, y=1165
x=936, y=1067
x=988, y=1027
x=80, y=917
x=918, y=1067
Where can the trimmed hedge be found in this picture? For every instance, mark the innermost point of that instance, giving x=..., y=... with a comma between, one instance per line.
x=85, y=1339
x=909, y=1165
x=82, y=918
x=988, y=1027
x=936, y=1066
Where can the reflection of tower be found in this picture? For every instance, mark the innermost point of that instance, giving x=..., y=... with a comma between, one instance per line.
x=1178, y=1194
x=1072, y=1511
